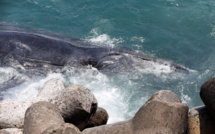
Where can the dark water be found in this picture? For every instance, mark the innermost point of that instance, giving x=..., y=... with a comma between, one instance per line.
x=180, y=31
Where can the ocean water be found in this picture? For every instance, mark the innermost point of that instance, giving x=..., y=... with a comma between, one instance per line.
x=179, y=31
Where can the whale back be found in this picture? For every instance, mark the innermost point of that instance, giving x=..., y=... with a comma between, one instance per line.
x=37, y=48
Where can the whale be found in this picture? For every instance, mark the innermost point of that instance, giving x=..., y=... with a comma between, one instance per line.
x=36, y=52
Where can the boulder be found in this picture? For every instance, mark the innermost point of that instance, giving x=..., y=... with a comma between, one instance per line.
x=207, y=95
x=64, y=128
x=76, y=104
x=12, y=112
x=41, y=116
x=4, y=132
x=162, y=113
x=99, y=118
x=124, y=127
x=51, y=87
x=11, y=131
x=200, y=121
x=165, y=95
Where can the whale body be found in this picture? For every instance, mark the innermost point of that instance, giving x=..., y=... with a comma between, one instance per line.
x=39, y=51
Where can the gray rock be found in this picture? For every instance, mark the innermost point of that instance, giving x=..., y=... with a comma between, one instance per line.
x=124, y=127
x=99, y=118
x=77, y=104
x=165, y=95
x=64, y=128
x=52, y=86
x=41, y=116
x=207, y=95
x=200, y=121
x=162, y=114
x=12, y=112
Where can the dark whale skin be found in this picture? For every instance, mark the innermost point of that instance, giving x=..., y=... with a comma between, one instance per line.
x=38, y=50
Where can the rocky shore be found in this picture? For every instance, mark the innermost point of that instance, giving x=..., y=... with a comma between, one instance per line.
x=74, y=110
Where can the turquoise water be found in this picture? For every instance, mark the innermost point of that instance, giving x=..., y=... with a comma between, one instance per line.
x=180, y=31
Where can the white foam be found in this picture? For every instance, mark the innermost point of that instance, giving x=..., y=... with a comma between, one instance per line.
x=7, y=74
x=103, y=39
x=140, y=39
x=29, y=88
x=213, y=31
x=108, y=95
x=119, y=95
x=184, y=97
x=158, y=68
x=112, y=100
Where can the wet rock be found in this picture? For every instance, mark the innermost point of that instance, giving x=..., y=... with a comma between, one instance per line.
x=100, y=118
x=207, y=94
x=200, y=121
x=162, y=113
x=64, y=128
x=41, y=116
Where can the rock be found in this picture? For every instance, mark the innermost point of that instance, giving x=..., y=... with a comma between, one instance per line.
x=11, y=131
x=50, y=87
x=100, y=118
x=124, y=127
x=41, y=116
x=165, y=95
x=77, y=104
x=200, y=121
x=162, y=113
x=64, y=128
x=4, y=132
x=12, y=112
x=207, y=95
